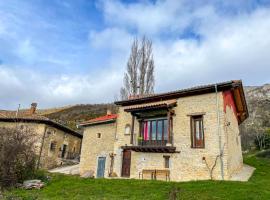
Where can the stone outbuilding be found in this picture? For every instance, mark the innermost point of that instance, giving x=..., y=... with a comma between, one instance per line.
x=56, y=144
x=189, y=134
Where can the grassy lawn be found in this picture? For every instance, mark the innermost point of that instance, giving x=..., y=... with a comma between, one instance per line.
x=72, y=187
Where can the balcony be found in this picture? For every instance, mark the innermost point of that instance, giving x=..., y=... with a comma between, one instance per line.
x=152, y=146
x=154, y=143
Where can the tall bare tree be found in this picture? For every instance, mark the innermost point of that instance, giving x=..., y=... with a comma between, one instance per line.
x=139, y=77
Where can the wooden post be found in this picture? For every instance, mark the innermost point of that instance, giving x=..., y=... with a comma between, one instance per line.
x=169, y=126
x=132, y=129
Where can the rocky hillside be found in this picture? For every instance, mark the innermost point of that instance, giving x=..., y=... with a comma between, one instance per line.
x=258, y=100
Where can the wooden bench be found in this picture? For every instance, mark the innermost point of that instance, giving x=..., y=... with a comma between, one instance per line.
x=155, y=173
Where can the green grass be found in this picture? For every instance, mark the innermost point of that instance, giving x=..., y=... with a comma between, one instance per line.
x=72, y=187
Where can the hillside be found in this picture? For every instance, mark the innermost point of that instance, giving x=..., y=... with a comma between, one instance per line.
x=258, y=100
x=72, y=115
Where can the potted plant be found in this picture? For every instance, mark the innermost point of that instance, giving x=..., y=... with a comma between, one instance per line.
x=140, y=139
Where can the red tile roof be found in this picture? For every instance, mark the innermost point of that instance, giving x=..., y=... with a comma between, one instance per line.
x=101, y=119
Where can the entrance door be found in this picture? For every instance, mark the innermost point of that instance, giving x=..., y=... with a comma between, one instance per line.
x=126, y=163
x=64, y=150
x=101, y=167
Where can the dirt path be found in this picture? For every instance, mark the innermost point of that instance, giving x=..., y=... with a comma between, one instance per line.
x=73, y=169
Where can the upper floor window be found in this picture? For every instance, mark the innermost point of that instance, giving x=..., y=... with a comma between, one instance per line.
x=154, y=129
x=53, y=146
x=127, y=129
x=197, y=132
x=98, y=135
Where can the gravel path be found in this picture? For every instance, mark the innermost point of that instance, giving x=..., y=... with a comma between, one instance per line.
x=73, y=169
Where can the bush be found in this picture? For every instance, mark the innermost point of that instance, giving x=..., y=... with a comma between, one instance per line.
x=17, y=155
x=41, y=175
x=264, y=154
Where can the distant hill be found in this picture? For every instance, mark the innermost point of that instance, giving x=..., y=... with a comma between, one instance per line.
x=258, y=101
x=72, y=115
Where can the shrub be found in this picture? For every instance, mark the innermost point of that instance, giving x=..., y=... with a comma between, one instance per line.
x=264, y=154
x=17, y=155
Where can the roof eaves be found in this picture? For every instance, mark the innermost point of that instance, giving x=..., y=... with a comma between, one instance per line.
x=43, y=120
x=188, y=91
x=97, y=122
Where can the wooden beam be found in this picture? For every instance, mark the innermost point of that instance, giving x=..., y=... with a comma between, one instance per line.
x=168, y=126
x=132, y=130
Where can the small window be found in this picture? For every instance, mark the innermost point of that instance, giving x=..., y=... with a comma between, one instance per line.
x=53, y=146
x=197, y=132
x=127, y=129
x=98, y=135
x=166, y=161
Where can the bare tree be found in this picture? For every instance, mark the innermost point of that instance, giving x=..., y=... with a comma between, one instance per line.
x=139, y=77
x=17, y=155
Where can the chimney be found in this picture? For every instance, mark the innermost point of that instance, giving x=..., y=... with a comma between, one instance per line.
x=33, y=108
x=109, y=112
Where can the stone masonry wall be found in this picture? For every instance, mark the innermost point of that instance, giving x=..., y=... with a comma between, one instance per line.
x=235, y=159
x=49, y=159
x=189, y=163
x=94, y=147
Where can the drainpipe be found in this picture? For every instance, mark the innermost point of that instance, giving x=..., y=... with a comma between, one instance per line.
x=219, y=135
x=41, y=148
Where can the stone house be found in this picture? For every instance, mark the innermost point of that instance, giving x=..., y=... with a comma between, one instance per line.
x=189, y=134
x=55, y=143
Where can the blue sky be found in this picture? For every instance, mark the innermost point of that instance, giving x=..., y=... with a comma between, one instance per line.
x=64, y=52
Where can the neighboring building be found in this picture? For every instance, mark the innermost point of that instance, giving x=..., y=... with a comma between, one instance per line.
x=55, y=144
x=189, y=134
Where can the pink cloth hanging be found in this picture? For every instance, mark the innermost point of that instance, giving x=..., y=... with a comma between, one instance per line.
x=145, y=131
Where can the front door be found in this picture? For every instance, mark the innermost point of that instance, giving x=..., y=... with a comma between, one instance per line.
x=101, y=167
x=126, y=163
x=64, y=151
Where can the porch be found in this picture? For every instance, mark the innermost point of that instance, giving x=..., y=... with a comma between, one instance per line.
x=155, y=127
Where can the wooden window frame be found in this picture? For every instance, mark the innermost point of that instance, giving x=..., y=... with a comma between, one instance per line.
x=141, y=125
x=53, y=145
x=194, y=142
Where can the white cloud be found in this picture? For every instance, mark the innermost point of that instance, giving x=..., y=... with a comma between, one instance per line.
x=20, y=86
x=231, y=49
x=225, y=47
x=144, y=16
x=110, y=38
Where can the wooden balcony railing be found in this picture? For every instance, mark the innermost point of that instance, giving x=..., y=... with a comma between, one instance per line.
x=152, y=142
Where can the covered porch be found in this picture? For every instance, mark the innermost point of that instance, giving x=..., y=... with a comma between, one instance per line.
x=155, y=127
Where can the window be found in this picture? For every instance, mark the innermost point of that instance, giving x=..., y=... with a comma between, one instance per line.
x=197, y=132
x=98, y=135
x=127, y=129
x=53, y=146
x=154, y=130
x=166, y=161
